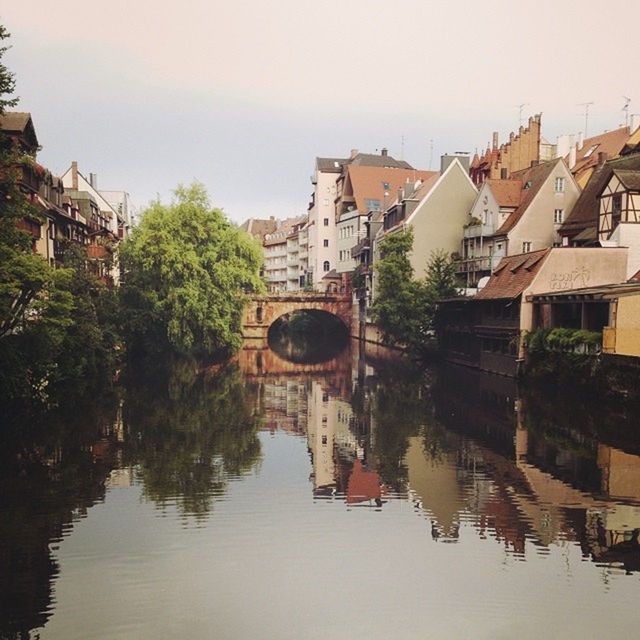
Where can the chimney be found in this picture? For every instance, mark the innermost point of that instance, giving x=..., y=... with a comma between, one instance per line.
x=580, y=140
x=495, y=139
x=383, y=151
x=354, y=153
x=74, y=175
x=93, y=180
x=602, y=157
x=572, y=156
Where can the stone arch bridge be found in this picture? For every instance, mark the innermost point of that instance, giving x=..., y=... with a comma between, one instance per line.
x=261, y=312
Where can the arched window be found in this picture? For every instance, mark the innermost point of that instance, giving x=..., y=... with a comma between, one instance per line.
x=325, y=266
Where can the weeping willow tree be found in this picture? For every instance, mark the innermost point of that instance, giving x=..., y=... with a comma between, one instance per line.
x=186, y=273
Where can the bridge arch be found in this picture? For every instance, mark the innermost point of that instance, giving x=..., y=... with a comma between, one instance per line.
x=261, y=312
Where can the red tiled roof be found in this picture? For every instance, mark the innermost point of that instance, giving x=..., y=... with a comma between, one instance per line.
x=506, y=192
x=368, y=183
x=363, y=485
x=513, y=275
x=611, y=143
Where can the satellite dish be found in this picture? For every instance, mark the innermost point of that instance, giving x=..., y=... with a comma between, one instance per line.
x=482, y=283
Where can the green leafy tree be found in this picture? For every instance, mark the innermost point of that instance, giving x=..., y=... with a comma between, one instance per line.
x=23, y=275
x=186, y=272
x=56, y=325
x=397, y=308
x=440, y=283
x=404, y=308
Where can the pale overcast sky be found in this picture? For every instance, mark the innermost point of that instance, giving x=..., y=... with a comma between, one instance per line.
x=243, y=94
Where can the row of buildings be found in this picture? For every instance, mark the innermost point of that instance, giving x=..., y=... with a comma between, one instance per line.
x=71, y=207
x=524, y=218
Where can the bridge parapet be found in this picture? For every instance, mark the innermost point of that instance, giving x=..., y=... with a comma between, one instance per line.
x=261, y=312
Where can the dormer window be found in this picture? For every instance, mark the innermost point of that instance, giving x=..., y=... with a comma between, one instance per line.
x=590, y=150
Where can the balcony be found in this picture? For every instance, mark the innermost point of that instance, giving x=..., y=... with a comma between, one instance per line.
x=473, y=265
x=478, y=230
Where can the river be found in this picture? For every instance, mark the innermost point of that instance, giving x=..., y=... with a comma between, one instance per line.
x=345, y=497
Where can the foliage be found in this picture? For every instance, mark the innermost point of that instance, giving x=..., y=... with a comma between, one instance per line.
x=50, y=331
x=472, y=222
x=398, y=409
x=186, y=270
x=404, y=308
x=358, y=280
x=398, y=306
x=440, y=280
x=562, y=339
x=189, y=433
x=7, y=79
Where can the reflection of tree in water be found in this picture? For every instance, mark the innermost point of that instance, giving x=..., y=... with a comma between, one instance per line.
x=398, y=409
x=189, y=434
x=51, y=471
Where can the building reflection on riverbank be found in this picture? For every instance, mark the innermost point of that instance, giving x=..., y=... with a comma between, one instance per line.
x=476, y=460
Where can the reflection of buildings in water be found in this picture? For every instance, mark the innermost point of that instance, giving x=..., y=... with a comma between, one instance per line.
x=435, y=484
x=364, y=486
x=313, y=407
x=495, y=479
x=285, y=405
x=329, y=437
x=120, y=478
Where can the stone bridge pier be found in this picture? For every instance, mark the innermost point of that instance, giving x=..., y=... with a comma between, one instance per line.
x=261, y=312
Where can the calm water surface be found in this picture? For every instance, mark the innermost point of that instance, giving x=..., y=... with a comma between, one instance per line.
x=340, y=499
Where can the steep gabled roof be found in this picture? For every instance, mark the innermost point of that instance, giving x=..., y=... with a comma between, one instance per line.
x=586, y=209
x=611, y=143
x=20, y=123
x=369, y=182
x=629, y=178
x=531, y=180
x=513, y=275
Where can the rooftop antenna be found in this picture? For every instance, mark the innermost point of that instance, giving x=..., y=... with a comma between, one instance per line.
x=430, y=153
x=520, y=109
x=627, y=102
x=586, y=106
x=402, y=148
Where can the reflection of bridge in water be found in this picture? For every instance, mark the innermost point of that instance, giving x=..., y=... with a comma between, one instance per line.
x=260, y=363
x=261, y=312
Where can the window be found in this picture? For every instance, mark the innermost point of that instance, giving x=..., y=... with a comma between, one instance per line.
x=325, y=202
x=526, y=247
x=326, y=222
x=558, y=216
x=559, y=185
x=325, y=243
x=372, y=204
x=325, y=266
x=592, y=148
x=616, y=204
